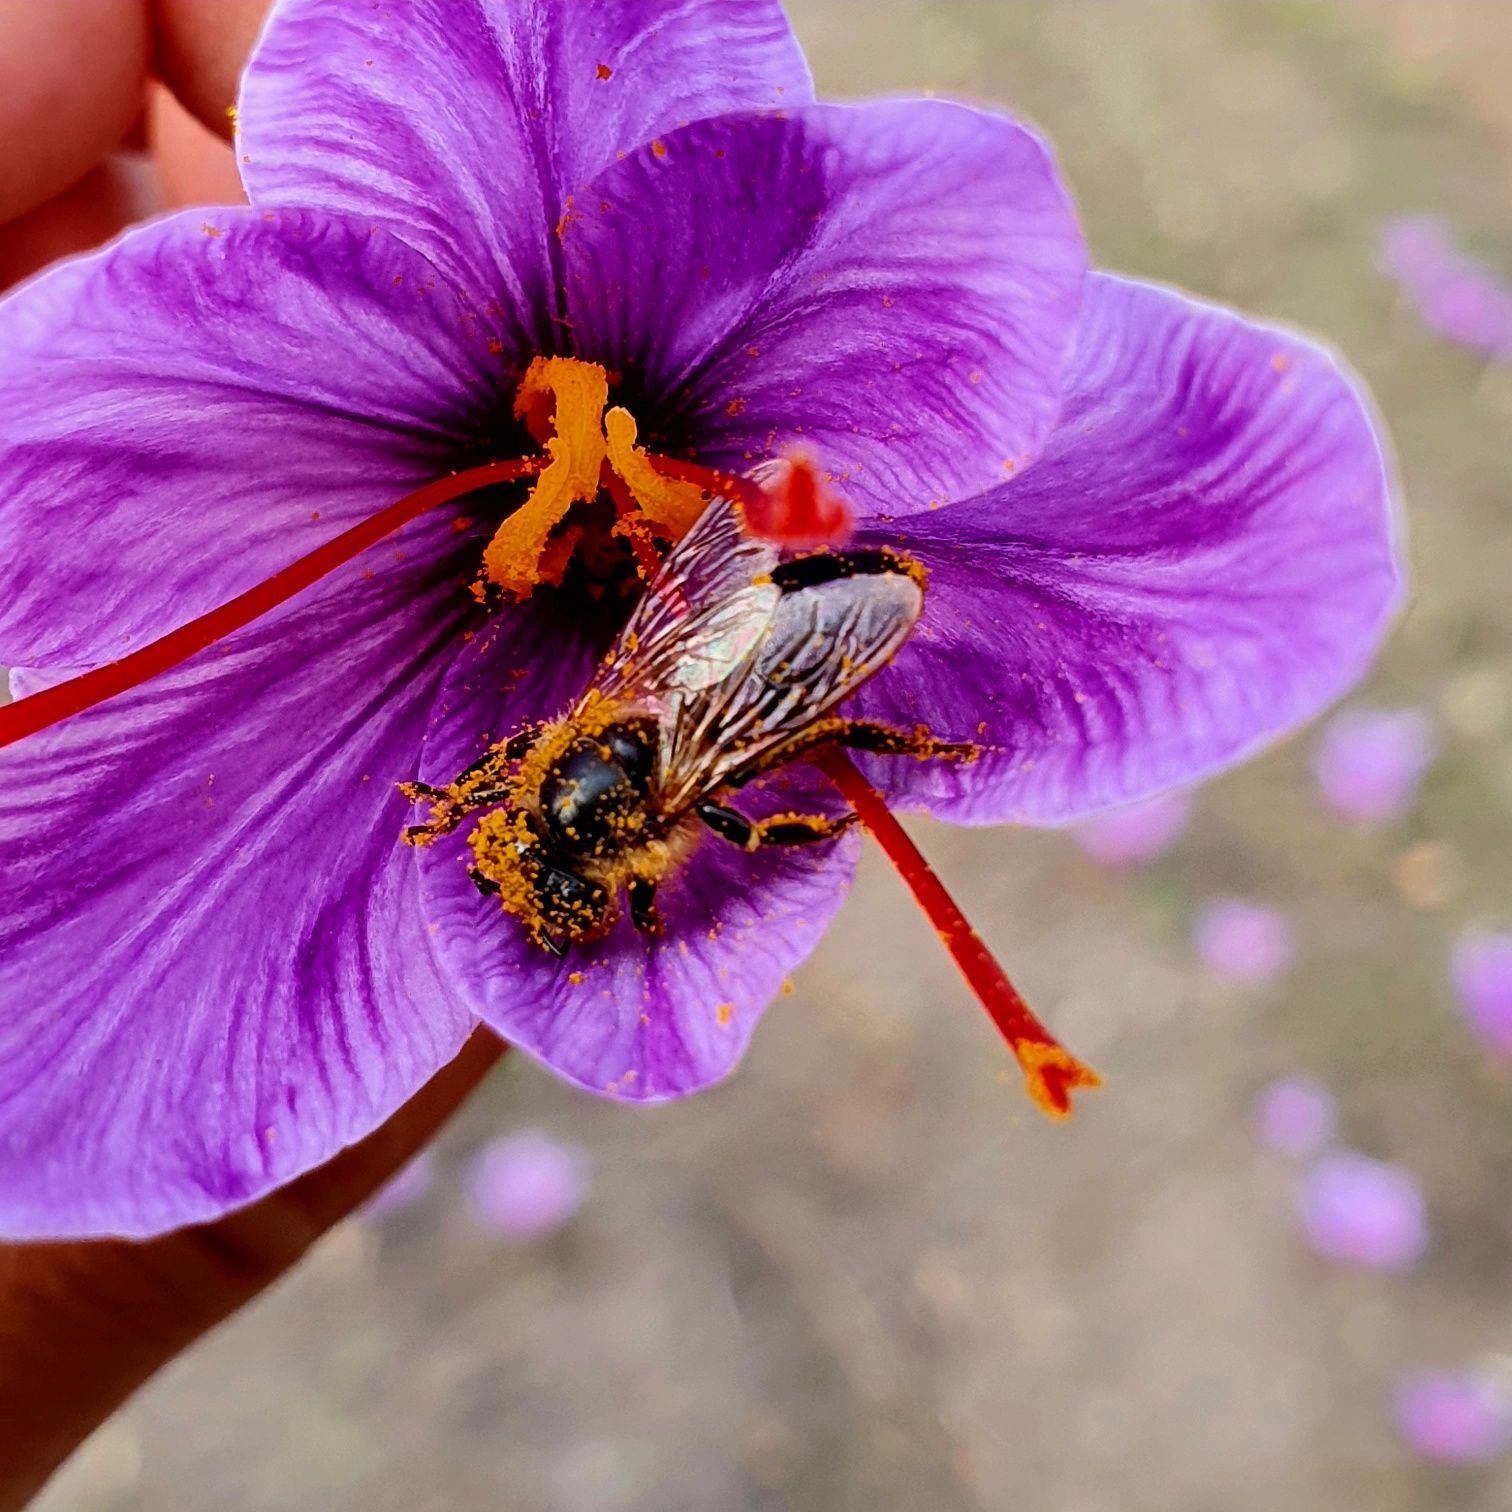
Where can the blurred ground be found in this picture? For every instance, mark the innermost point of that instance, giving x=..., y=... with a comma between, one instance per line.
x=865, y=1275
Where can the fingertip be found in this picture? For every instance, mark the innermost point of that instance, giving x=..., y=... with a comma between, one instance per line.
x=203, y=46
x=197, y=166
x=72, y=77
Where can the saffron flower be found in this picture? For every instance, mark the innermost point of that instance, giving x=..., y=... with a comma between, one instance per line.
x=1242, y=942
x=1453, y=1418
x=1296, y=1115
x=1156, y=537
x=1370, y=762
x=1459, y=298
x=1482, y=969
x=1136, y=834
x=1364, y=1212
x=525, y=1186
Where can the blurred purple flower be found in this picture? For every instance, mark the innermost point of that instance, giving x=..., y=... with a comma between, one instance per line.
x=1483, y=976
x=1370, y=762
x=1136, y=833
x=1456, y=296
x=1364, y=1212
x=526, y=1185
x=1157, y=535
x=1453, y=1419
x=1243, y=941
x=1295, y=1115
x=408, y=1186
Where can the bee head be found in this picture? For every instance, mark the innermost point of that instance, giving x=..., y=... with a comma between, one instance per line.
x=556, y=904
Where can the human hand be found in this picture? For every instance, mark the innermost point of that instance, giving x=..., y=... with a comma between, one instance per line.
x=89, y=143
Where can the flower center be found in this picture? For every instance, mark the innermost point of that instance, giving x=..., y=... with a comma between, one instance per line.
x=592, y=451
x=593, y=455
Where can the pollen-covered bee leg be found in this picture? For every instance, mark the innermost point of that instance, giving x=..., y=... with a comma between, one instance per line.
x=643, y=913
x=485, y=885
x=778, y=829
x=887, y=740
x=798, y=829
x=867, y=735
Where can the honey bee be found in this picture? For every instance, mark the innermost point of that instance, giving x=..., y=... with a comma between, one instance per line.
x=729, y=667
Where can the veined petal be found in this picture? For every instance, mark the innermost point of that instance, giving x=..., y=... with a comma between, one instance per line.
x=1204, y=556
x=465, y=125
x=206, y=400
x=893, y=286
x=214, y=973
x=628, y=1016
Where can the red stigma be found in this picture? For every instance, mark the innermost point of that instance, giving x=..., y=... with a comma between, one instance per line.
x=798, y=508
x=1051, y=1072
x=28, y=716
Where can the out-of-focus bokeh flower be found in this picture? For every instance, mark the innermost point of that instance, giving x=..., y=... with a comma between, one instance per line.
x=527, y=1185
x=1456, y=296
x=1455, y=1419
x=1296, y=1115
x=1137, y=833
x=1370, y=762
x=1242, y=941
x=409, y=1186
x=1483, y=976
x=1361, y=1211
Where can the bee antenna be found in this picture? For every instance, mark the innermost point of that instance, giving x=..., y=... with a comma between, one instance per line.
x=554, y=945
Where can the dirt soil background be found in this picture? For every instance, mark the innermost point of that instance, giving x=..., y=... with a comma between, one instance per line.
x=864, y=1274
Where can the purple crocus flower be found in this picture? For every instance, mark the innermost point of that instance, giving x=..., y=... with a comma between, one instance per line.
x=1136, y=833
x=1363, y=1212
x=1156, y=534
x=1244, y=942
x=1483, y=976
x=525, y=1186
x=1457, y=297
x=1453, y=1418
x=1370, y=762
x=1295, y=1115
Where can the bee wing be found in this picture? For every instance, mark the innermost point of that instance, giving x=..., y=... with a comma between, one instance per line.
x=701, y=615
x=823, y=642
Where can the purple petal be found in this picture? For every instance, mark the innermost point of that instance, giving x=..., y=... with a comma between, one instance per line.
x=1453, y=1419
x=1365, y=1212
x=1138, y=833
x=1370, y=762
x=628, y=1016
x=526, y=1185
x=893, y=286
x=1242, y=941
x=212, y=957
x=199, y=404
x=1483, y=977
x=1296, y=1115
x=1203, y=557
x=464, y=126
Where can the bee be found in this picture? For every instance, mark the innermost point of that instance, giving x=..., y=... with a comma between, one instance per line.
x=730, y=666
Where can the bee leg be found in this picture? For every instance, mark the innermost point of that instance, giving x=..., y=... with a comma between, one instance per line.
x=485, y=885
x=551, y=945
x=887, y=740
x=643, y=912
x=779, y=829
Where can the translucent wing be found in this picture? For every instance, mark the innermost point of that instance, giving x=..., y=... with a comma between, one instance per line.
x=822, y=643
x=700, y=617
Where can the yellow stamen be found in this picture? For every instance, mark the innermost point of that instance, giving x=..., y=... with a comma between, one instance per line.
x=579, y=391
x=669, y=505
